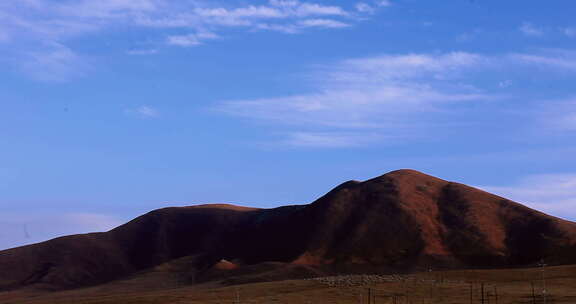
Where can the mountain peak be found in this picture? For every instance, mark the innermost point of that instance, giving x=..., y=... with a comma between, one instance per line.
x=405, y=171
x=404, y=220
x=408, y=174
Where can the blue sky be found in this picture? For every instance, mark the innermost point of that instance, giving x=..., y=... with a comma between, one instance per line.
x=113, y=108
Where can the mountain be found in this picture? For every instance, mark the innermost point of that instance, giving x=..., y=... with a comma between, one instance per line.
x=401, y=221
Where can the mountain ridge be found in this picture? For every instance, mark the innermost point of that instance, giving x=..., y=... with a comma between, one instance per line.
x=403, y=220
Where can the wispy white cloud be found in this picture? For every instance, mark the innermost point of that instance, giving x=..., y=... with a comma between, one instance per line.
x=306, y=9
x=144, y=111
x=138, y=52
x=193, y=39
x=364, y=7
x=250, y=12
x=403, y=67
x=558, y=115
x=390, y=95
x=104, y=9
x=384, y=3
x=569, y=31
x=331, y=139
x=529, y=29
x=184, y=40
x=394, y=96
x=325, y=23
x=505, y=83
x=58, y=20
x=56, y=63
x=284, y=28
x=147, y=112
x=372, y=7
x=369, y=107
x=555, y=58
x=554, y=194
x=30, y=26
x=297, y=27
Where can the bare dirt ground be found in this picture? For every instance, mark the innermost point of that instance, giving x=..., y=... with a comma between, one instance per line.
x=499, y=286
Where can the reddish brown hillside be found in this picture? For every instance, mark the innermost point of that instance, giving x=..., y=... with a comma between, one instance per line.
x=406, y=218
x=402, y=221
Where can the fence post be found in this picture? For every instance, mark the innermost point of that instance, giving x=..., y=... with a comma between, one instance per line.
x=496, y=294
x=369, y=295
x=482, y=289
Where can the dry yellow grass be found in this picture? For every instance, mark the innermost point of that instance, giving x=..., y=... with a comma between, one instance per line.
x=511, y=285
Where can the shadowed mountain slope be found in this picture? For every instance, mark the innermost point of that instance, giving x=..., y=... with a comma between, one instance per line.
x=401, y=221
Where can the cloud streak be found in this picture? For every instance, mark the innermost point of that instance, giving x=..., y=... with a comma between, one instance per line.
x=146, y=112
x=564, y=59
x=390, y=95
x=569, y=31
x=530, y=30
x=394, y=95
x=35, y=27
x=554, y=194
x=330, y=139
x=55, y=63
x=59, y=20
x=559, y=115
x=193, y=39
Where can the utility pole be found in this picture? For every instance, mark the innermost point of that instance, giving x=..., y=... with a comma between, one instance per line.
x=544, y=291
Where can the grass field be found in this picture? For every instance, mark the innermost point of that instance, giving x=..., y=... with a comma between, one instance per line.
x=500, y=286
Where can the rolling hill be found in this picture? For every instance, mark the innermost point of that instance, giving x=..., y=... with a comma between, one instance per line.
x=402, y=221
